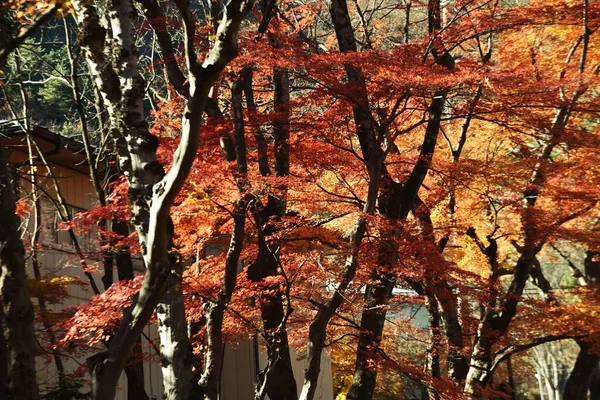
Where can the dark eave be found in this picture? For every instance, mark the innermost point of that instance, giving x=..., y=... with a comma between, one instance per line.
x=57, y=149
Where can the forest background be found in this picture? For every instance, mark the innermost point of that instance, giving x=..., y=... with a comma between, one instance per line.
x=349, y=160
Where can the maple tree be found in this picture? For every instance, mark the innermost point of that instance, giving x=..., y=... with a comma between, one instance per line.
x=347, y=152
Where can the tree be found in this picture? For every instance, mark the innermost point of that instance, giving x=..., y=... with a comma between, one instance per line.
x=16, y=316
x=17, y=311
x=151, y=190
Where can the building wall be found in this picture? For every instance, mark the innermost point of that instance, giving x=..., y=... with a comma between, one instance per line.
x=239, y=371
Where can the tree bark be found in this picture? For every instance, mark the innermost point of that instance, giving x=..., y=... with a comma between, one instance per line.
x=176, y=357
x=582, y=374
x=317, y=332
x=134, y=372
x=115, y=73
x=213, y=363
x=395, y=205
x=134, y=367
x=395, y=202
x=215, y=309
x=18, y=328
x=494, y=324
x=338, y=10
x=275, y=308
x=3, y=356
x=432, y=360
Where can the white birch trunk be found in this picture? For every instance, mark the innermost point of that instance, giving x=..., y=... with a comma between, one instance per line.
x=115, y=73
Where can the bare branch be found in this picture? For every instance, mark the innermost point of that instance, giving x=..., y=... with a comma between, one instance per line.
x=11, y=45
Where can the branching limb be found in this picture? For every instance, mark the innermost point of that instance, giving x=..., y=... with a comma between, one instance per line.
x=11, y=45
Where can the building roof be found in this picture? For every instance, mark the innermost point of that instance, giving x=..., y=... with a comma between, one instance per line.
x=64, y=151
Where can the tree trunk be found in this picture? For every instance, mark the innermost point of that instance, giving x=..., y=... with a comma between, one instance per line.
x=214, y=310
x=134, y=367
x=371, y=151
x=457, y=362
x=281, y=383
x=317, y=331
x=210, y=380
x=134, y=372
x=395, y=204
x=582, y=374
x=595, y=384
x=18, y=329
x=275, y=308
x=3, y=356
x=585, y=373
x=481, y=362
x=151, y=191
x=495, y=324
x=447, y=300
x=371, y=329
x=176, y=357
